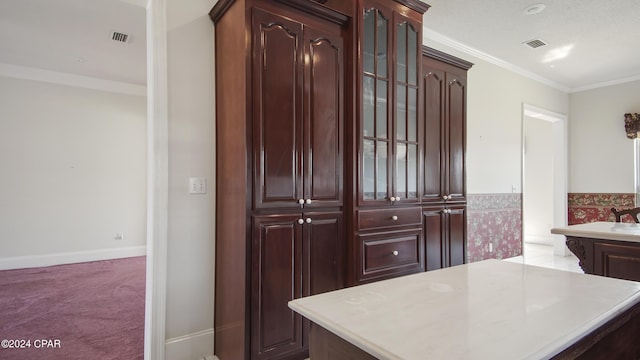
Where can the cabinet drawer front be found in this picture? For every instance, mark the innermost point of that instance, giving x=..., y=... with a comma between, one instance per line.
x=390, y=254
x=375, y=219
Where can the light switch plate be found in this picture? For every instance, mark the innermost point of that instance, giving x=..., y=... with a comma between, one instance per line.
x=197, y=185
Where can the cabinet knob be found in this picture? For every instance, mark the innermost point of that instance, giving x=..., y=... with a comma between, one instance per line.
x=395, y=252
x=308, y=220
x=301, y=201
x=392, y=198
x=300, y=221
x=394, y=218
x=308, y=201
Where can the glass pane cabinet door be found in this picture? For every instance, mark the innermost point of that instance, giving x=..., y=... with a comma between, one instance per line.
x=375, y=107
x=406, y=119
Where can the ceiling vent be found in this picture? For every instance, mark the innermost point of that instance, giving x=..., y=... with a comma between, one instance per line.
x=120, y=37
x=535, y=43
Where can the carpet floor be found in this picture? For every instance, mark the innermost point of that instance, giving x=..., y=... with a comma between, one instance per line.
x=91, y=310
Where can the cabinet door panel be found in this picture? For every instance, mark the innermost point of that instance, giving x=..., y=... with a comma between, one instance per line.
x=324, y=248
x=435, y=241
x=456, y=104
x=617, y=261
x=324, y=109
x=433, y=83
x=277, y=110
x=457, y=223
x=276, y=279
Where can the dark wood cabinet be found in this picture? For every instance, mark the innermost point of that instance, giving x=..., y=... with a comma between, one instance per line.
x=325, y=150
x=445, y=236
x=444, y=178
x=297, y=113
x=387, y=234
x=388, y=126
x=611, y=258
x=276, y=279
x=280, y=138
x=445, y=83
x=293, y=255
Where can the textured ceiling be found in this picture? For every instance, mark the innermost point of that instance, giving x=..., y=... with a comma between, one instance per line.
x=589, y=42
x=73, y=36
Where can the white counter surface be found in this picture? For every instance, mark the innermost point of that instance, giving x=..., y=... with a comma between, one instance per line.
x=602, y=230
x=486, y=310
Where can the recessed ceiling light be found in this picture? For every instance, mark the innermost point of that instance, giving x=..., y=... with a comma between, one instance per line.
x=534, y=9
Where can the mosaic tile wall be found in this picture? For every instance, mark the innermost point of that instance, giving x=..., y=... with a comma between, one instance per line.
x=494, y=219
x=590, y=207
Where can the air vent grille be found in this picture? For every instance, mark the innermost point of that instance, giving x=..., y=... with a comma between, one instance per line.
x=535, y=43
x=119, y=37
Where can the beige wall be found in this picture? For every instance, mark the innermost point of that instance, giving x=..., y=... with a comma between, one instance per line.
x=600, y=155
x=73, y=172
x=494, y=121
x=191, y=245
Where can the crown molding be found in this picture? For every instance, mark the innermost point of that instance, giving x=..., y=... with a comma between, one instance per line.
x=606, y=83
x=435, y=36
x=60, y=78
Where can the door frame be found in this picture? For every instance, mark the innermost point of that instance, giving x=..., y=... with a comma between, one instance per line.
x=157, y=181
x=560, y=169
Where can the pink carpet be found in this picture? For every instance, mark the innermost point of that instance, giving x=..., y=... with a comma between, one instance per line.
x=82, y=311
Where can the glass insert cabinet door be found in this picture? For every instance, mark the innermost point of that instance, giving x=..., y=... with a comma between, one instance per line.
x=406, y=117
x=390, y=140
x=376, y=140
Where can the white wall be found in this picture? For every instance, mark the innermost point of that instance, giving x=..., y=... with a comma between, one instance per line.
x=601, y=156
x=494, y=117
x=73, y=171
x=190, y=263
x=537, y=205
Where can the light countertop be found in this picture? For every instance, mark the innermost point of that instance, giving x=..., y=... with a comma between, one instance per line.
x=485, y=310
x=602, y=230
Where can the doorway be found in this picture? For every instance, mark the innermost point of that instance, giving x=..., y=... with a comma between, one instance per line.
x=544, y=177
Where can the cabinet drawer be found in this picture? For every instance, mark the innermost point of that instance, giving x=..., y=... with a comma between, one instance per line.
x=385, y=218
x=390, y=253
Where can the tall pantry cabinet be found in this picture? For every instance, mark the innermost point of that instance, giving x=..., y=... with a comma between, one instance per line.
x=280, y=230
x=444, y=186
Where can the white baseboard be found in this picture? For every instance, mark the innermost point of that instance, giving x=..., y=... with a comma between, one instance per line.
x=196, y=346
x=23, y=262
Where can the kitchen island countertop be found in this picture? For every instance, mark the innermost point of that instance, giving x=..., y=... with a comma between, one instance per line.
x=486, y=310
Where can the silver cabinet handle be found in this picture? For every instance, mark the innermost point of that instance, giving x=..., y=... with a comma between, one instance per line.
x=392, y=198
x=301, y=201
x=395, y=252
x=308, y=201
x=308, y=220
x=300, y=221
x=394, y=218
